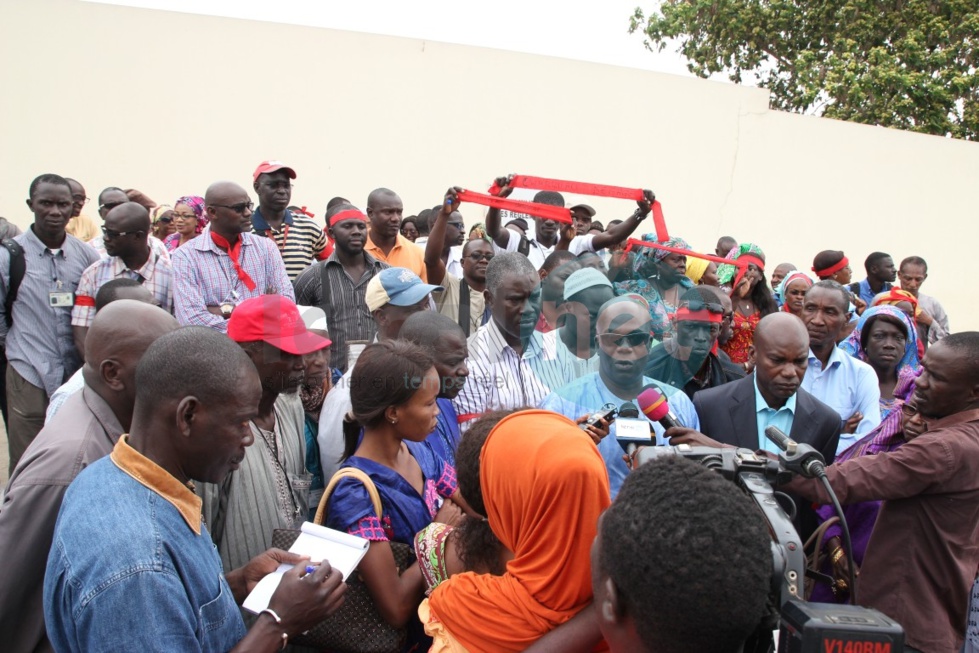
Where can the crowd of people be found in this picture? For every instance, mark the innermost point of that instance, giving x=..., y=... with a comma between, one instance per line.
x=183, y=380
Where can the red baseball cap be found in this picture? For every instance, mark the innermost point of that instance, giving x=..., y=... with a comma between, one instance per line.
x=272, y=166
x=276, y=320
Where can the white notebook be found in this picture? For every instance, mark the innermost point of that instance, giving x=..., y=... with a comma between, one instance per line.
x=342, y=550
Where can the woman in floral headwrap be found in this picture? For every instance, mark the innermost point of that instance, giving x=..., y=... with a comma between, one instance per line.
x=189, y=218
x=907, y=303
x=660, y=278
x=745, y=281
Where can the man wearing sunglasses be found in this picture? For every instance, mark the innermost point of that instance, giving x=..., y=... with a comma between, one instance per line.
x=226, y=264
x=462, y=300
x=109, y=199
x=623, y=332
x=126, y=232
x=691, y=361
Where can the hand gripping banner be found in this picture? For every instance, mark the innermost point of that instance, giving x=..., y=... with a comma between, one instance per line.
x=595, y=190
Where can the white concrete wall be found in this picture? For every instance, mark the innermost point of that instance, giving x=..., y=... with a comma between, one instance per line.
x=170, y=102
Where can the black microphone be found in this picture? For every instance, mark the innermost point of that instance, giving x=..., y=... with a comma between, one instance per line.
x=654, y=406
x=629, y=409
x=802, y=458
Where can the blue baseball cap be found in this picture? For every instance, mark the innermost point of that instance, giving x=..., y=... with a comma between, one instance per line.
x=397, y=286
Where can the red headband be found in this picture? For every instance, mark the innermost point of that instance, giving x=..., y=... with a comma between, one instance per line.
x=833, y=269
x=348, y=214
x=702, y=315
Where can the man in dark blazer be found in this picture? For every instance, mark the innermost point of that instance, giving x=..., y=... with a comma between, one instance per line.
x=737, y=413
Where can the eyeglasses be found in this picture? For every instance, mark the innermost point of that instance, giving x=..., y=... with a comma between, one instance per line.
x=458, y=225
x=476, y=257
x=79, y=199
x=110, y=234
x=108, y=206
x=909, y=411
x=165, y=219
x=633, y=339
x=239, y=208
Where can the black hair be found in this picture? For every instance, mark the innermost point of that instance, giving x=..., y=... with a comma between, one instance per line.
x=189, y=361
x=427, y=329
x=109, y=292
x=47, y=178
x=422, y=220
x=706, y=588
x=411, y=219
x=556, y=258
x=549, y=197
x=595, y=224
x=478, y=546
x=612, y=223
x=966, y=345
x=873, y=259
x=833, y=285
x=702, y=297
x=762, y=296
x=827, y=259
x=914, y=260
x=387, y=373
x=336, y=200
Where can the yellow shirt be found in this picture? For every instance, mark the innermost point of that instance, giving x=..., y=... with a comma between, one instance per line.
x=83, y=228
x=405, y=254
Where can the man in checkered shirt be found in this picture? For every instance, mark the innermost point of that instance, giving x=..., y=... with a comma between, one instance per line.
x=128, y=255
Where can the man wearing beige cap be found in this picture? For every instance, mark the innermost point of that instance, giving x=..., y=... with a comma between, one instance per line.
x=270, y=489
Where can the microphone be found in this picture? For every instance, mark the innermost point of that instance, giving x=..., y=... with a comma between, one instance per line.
x=802, y=458
x=630, y=429
x=629, y=409
x=654, y=406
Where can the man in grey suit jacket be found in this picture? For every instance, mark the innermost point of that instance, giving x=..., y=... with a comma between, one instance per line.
x=737, y=413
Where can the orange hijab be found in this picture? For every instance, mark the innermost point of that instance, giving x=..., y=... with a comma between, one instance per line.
x=544, y=486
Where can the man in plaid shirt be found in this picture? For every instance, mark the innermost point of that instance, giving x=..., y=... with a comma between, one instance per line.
x=128, y=254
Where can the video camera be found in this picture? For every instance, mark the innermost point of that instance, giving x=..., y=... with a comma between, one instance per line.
x=803, y=627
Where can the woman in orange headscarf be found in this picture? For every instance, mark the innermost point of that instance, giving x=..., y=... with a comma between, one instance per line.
x=544, y=486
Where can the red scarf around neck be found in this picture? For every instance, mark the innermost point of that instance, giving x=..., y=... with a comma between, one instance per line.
x=234, y=253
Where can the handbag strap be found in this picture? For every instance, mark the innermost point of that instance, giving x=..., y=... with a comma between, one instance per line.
x=347, y=472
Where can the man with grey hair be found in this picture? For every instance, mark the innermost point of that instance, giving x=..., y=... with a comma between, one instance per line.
x=506, y=356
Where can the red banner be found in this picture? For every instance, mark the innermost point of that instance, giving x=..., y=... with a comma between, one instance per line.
x=546, y=211
x=596, y=190
x=686, y=252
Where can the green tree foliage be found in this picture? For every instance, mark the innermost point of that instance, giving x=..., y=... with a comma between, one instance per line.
x=908, y=64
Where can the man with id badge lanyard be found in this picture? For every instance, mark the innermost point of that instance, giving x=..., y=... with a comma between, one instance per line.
x=40, y=349
x=225, y=265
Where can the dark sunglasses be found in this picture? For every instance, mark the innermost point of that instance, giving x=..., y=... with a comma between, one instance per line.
x=479, y=256
x=165, y=219
x=108, y=206
x=110, y=234
x=633, y=339
x=239, y=208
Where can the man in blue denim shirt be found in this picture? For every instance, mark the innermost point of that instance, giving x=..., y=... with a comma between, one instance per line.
x=132, y=566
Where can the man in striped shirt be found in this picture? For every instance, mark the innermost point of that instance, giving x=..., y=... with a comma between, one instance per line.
x=226, y=264
x=298, y=238
x=508, y=365
x=126, y=230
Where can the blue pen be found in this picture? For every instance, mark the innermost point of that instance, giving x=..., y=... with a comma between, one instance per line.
x=310, y=569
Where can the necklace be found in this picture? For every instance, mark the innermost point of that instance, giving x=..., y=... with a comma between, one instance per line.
x=284, y=486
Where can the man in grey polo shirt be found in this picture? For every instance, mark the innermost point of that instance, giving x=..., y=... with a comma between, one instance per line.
x=41, y=352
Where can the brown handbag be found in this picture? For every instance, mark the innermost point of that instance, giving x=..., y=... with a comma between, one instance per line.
x=356, y=627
